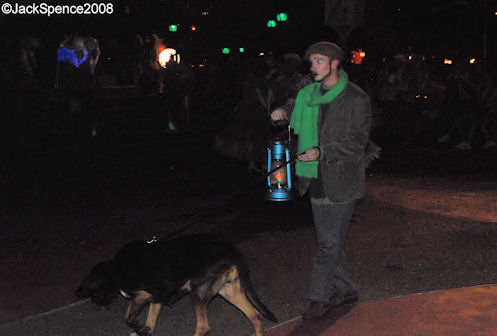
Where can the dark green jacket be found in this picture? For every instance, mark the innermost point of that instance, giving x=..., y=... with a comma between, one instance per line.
x=343, y=135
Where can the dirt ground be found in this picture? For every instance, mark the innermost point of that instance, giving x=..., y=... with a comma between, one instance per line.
x=66, y=208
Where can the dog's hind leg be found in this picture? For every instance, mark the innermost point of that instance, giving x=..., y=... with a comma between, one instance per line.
x=200, y=308
x=234, y=293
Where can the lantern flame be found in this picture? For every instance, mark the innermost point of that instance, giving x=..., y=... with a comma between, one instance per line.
x=279, y=175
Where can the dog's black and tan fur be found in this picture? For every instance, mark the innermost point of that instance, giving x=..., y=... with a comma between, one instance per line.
x=161, y=272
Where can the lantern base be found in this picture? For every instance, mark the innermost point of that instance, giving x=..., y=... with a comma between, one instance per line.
x=279, y=195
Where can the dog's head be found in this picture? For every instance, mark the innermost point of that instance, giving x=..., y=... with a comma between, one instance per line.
x=99, y=285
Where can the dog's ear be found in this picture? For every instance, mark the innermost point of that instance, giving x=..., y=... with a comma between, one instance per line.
x=99, y=277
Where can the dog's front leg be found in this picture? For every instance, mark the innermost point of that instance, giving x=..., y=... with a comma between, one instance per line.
x=200, y=308
x=131, y=315
x=137, y=303
x=153, y=314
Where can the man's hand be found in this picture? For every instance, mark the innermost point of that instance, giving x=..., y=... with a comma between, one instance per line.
x=311, y=154
x=279, y=114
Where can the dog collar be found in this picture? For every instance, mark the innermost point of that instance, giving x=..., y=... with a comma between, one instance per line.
x=124, y=294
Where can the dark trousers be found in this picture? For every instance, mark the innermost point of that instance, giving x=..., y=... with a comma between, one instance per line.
x=330, y=273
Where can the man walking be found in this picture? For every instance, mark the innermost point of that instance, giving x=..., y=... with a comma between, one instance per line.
x=332, y=118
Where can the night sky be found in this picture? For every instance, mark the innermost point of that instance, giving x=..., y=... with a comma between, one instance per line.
x=385, y=27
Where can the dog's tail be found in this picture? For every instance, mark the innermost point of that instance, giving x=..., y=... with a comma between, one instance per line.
x=252, y=295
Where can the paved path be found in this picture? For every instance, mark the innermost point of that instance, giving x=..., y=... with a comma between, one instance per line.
x=464, y=311
x=455, y=312
x=476, y=201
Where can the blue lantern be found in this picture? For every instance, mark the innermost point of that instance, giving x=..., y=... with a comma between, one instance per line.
x=279, y=176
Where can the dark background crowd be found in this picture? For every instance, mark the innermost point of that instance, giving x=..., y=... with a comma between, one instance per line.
x=426, y=88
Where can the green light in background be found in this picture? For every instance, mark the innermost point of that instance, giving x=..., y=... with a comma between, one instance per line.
x=173, y=28
x=241, y=50
x=281, y=16
x=271, y=23
x=226, y=51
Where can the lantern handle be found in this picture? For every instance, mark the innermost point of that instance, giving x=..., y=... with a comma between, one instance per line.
x=291, y=161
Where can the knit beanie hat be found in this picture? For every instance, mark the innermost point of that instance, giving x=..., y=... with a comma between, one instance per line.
x=329, y=49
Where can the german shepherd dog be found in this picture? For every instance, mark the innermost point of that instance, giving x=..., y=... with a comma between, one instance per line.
x=161, y=272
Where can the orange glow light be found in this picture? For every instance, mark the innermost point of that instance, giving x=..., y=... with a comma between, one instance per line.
x=279, y=175
x=166, y=55
x=357, y=56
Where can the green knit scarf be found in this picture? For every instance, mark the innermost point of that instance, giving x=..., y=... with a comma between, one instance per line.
x=305, y=116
